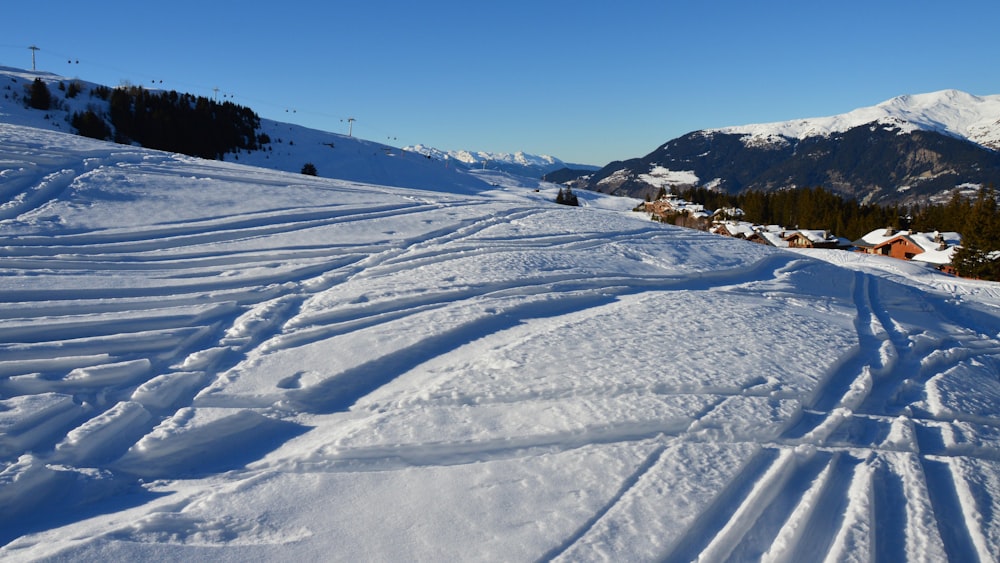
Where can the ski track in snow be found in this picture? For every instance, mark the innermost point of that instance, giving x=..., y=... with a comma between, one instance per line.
x=876, y=455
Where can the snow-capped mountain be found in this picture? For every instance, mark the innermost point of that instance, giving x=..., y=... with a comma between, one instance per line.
x=908, y=148
x=520, y=163
x=952, y=112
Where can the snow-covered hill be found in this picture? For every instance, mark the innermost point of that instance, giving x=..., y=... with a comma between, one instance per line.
x=952, y=112
x=204, y=360
x=292, y=146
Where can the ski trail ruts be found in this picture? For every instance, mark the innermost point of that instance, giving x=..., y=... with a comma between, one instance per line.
x=446, y=454
x=470, y=242
x=164, y=331
x=904, y=524
x=118, y=410
x=850, y=381
x=31, y=190
x=901, y=367
x=219, y=346
x=720, y=524
x=315, y=326
x=188, y=284
x=77, y=326
x=865, y=359
x=132, y=240
x=813, y=525
x=797, y=505
x=628, y=484
x=338, y=394
x=69, y=307
x=435, y=243
x=35, y=196
x=903, y=390
x=236, y=339
x=772, y=510
x=915, y=509
x=945, y=499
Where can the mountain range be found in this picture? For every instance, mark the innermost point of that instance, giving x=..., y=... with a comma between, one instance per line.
x=906, y=149
x=518, y=163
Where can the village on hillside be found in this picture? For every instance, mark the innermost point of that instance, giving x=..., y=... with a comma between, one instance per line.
x=936, y=249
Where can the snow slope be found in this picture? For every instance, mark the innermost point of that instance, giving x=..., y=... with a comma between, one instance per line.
x=952, y=112
x=291, y=147
x=203, y=360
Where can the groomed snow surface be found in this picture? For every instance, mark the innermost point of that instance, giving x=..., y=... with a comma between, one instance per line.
x=201, y=360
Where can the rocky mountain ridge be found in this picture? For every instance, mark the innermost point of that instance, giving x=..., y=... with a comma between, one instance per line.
x=907, y=149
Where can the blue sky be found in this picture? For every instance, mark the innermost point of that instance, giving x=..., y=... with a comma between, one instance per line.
x=585, y=81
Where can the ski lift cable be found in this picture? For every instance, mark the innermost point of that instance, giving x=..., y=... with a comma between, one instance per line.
x=290, y=108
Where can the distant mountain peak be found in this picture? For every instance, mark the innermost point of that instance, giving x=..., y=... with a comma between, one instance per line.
x=951, y=112
x=906, y=149
x=519, y=162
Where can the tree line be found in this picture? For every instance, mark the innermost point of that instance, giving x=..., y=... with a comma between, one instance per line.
x=976, y=217
x=168, y=121
x=193, y=125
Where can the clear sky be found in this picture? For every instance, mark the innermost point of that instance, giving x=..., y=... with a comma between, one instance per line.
x=586, y=81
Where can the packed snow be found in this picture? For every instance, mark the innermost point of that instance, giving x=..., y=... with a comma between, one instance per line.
x=206, y=360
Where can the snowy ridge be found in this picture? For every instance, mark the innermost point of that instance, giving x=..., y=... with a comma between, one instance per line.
x=952, y=112
x=200, y=359
x=519, y=162
x=473, y=158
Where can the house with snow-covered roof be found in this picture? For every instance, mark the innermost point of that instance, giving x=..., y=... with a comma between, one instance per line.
x=770, y=238
x=671, y=204
x=771, y=235
x=936, y=248
x=735, y=229
x=806, y=238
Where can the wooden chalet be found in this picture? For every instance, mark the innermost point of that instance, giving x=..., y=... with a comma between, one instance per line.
x=812, y=239
x=934, y=248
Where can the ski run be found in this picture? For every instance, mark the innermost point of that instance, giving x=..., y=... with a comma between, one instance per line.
x=204, y=360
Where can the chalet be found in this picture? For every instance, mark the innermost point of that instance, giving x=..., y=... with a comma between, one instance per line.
x=934, y=248
x=812, y=239
x=664, y=206
x=771, y=235
x=735, y=229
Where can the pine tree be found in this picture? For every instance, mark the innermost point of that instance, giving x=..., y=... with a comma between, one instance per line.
x=89, y=124
x=41, y=98
x=571, y=198
x=979, y=238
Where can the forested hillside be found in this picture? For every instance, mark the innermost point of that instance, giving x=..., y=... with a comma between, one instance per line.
x=975, y=215
x=163, y=120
